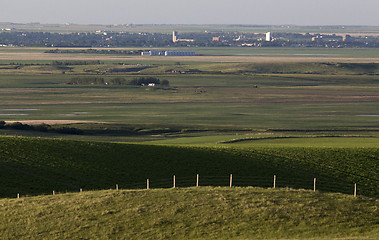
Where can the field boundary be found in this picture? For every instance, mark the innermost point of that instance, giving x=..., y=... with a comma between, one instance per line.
x=275, y=182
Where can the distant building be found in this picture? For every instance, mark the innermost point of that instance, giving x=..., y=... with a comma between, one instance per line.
x=153, y=53
x=216, y=39
x=168, y=53
x=268, y=37
x=176, y=39
x=346, y=37
x=180, y=53
x=156, y=53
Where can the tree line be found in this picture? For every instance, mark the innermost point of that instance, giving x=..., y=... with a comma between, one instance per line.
x=140, y=81
x=40, y=128
x=97, y=51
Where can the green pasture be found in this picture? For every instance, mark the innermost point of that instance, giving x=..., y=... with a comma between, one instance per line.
x=38, y=166
x=190, y=213
x=326, y=142
x=280, y=101
x=269, y=139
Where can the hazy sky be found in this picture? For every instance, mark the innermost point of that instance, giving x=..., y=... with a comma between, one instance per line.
x=299, y=12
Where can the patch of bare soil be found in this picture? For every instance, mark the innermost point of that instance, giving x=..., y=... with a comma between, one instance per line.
x=52, y=122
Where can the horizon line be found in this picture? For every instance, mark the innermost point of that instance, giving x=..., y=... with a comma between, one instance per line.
x=188, y=24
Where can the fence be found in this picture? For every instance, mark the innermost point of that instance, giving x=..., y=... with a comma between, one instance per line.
x=322, y=185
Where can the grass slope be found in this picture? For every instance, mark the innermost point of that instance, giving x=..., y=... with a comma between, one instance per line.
x=191, y=213
x=35, y=166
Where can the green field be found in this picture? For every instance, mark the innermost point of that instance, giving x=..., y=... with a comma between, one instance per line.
x=297, y=121
x=253, y=96
x=32, y=166
x=190, y=213
x=36, y=166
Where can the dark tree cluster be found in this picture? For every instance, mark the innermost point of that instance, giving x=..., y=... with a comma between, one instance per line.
x=98, y=51
x=40, y=128
x=140, y=81
x=76, y=62
x=46, y=39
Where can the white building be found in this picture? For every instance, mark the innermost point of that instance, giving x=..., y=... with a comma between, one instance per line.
x=268, y=37
x=174, y=38
x=153, y=53
x=168, y=53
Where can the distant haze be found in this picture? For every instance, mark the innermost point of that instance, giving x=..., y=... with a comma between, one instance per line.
x=270, y=12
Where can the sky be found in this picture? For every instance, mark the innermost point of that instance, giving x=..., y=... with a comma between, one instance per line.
x=262, y=12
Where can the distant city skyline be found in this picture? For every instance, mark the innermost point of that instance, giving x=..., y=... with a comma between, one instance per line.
x=271, y=12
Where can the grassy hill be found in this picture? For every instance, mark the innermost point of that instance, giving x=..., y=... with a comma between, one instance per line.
x=35, y=166
x=191, y=213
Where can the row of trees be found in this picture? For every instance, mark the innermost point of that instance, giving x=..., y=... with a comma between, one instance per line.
x=76, y=62
x=140, y=81
x=40, y=128
x=97, y=51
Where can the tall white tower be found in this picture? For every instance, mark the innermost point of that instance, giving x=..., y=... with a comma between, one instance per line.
x=268, y=37
x=174, y=38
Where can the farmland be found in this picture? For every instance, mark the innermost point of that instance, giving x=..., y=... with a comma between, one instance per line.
x=238, y=96
x=205, y=103
x=250, y=116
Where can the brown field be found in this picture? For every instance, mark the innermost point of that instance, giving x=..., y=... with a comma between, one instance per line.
x=19, y=56
x=52, y=122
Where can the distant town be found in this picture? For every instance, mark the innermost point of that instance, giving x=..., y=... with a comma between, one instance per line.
x=13, y=36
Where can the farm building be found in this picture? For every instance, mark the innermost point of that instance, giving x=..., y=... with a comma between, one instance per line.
x=180, y=53
x=168, y=53
x=153, y=53
x=268, y=37
x=157, y=53
x=176, y=39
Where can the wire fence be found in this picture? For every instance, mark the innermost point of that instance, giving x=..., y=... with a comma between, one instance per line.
x=315, y=184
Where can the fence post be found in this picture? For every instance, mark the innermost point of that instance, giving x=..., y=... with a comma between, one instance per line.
x=53, y=192
x=174, y=182
x=274, y=181
x=231, y=180
x=18, y=195
x=147, y=184
x=314, y=184
x=355, y=190
x=116, y=187
x=197, y=180
x=81, y=190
